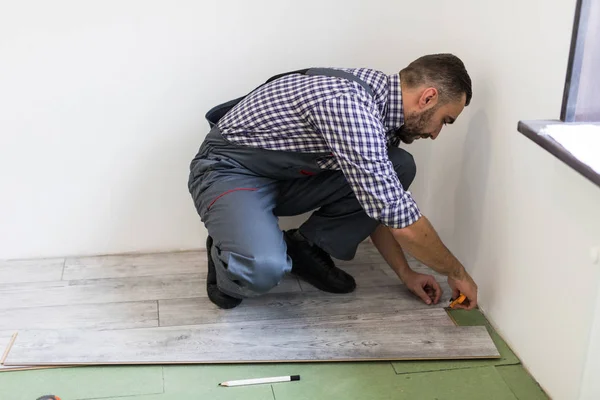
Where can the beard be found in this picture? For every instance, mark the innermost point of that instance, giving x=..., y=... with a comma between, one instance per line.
x=415, y=125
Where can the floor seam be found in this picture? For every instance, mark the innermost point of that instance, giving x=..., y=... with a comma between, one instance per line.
x=62, y=274
x=127, y=396
x=273, y=391
x=505, y=382
x=452, y=369
x=94, y=304
x=157, y=313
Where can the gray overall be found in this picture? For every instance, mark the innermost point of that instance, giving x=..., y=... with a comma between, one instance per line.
x=240, y=191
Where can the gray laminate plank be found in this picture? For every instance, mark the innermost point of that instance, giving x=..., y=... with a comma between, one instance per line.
x=93, y=291
x=31, y=270
x=369, y=251
x=200, y=311
x=140, y=265
x=361, y=259
x=417, y=267
x=294, y=305
x=424, y=269
x=142, y=314
x=368, y=340
x=130, y=265
x=407, y=318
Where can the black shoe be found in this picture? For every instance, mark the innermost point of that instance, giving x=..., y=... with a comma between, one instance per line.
x=214, y=294
x=313, y=265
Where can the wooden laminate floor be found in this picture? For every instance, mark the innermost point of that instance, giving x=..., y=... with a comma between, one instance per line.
x=152, y=308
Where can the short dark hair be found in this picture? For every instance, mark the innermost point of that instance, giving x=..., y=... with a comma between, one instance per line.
x=445, y=72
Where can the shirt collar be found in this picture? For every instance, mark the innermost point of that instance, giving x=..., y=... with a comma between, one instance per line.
x=395, y=113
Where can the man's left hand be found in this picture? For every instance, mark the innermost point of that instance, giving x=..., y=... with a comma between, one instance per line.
x=424, y=286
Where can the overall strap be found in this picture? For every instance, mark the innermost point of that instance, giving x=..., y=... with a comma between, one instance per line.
x=341, y=74
x=216, y=113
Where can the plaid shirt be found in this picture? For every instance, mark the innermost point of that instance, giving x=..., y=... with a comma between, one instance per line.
x=321, y=114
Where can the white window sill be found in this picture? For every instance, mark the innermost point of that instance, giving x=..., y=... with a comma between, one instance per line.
x=577, y=144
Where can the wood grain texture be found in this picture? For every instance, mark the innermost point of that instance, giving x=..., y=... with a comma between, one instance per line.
x=292, y=305
x=409, y=318
x=94, y=291
x=105, y=310
x=123, y=266
x=365, y=340
x=417, y=267
x=31, y=270
x=82, y=316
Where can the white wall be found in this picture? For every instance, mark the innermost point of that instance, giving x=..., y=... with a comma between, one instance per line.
x=590, y=386
x=521, y=221
x=102, y=104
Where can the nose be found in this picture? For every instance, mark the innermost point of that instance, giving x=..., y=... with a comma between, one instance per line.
x=435, y=134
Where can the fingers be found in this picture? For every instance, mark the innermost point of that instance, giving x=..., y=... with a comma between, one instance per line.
x=419, y=291
x=455, y=293
x=472, y=304
x=467, y=287
x=433, y=289
x=438, y=291
x=431, y=293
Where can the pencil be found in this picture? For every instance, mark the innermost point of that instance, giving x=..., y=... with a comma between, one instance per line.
x=261, y=380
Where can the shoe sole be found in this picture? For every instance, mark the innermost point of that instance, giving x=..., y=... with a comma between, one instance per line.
x=215, y=295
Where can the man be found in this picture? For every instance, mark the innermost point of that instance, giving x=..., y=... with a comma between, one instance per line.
x=325, y=140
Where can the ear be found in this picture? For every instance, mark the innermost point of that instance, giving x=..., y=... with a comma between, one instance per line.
x=429, y=98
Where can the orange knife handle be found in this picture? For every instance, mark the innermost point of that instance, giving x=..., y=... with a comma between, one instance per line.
x=459, y=300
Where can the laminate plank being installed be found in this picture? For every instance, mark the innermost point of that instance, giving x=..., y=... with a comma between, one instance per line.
x=298, y=341
x=399, y=319
x=6, y=340
x=195, y=311
x=142, y=314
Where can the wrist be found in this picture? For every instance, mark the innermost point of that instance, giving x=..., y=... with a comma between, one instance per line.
x=459, y=273
x=405, y=274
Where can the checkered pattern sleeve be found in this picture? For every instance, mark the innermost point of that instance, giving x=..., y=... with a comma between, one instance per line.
x=357, y=138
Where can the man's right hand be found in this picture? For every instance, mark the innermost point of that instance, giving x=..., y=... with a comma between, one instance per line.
x=423, y=243
x=466, y=286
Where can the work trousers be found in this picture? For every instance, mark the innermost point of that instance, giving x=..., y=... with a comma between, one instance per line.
x=239, y=193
